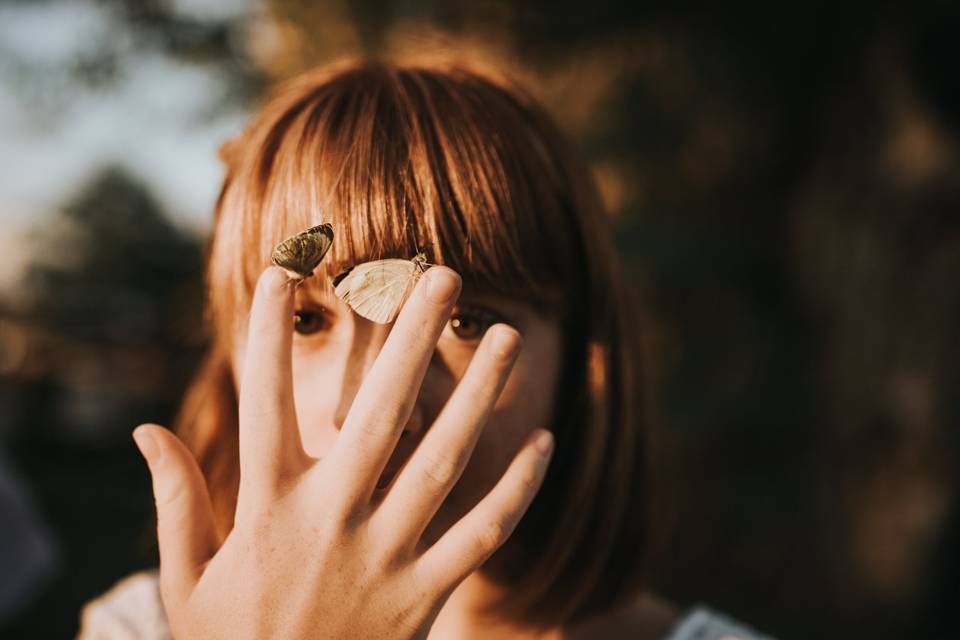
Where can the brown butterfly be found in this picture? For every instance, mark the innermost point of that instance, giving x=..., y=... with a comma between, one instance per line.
x=300, y=254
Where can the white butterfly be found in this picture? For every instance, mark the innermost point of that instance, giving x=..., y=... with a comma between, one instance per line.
x=377, y=290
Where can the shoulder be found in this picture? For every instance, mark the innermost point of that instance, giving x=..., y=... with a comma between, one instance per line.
x=703, y=623
x=652, y=617
x=649, y=617
x=131, y=609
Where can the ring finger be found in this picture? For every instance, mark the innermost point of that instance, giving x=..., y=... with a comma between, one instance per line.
x=439, y=460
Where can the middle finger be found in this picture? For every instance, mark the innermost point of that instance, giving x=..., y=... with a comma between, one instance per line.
x=385, y=400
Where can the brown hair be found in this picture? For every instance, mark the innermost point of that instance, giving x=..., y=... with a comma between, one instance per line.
x=466, y=167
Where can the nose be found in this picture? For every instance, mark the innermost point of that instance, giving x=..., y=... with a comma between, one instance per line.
x=365, y=345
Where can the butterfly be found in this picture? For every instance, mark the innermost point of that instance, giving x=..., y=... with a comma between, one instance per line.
x=377, y=290
x=300, y=254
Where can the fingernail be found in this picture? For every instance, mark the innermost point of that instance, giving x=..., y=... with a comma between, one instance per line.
x=544, y=442
x=147, y=444
x=279, y=280
x=505, y=342
x=442, y=285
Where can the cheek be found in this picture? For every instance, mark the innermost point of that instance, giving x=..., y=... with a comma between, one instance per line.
x=529, y=394
x=525, y=404
x=316, y=411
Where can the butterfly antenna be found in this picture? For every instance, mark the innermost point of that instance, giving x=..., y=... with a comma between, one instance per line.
x=425, y=263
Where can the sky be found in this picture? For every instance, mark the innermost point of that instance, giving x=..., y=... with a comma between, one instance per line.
x=160, y=117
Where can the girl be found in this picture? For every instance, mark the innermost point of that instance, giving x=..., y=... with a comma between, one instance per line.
x=478, y=468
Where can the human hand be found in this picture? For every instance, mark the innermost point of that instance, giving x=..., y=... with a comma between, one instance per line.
x=310, y=554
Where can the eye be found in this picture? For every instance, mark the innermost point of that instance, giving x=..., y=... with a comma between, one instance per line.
x=309, y=321
x=470, y=322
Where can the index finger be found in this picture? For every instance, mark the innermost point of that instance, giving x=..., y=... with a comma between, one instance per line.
x=269, y=437
x=386, y=397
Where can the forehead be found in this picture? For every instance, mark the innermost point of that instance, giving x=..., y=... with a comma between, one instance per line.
x=511, y=306
x=320, y=289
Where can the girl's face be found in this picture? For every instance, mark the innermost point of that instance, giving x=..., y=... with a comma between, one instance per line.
x=333, y=349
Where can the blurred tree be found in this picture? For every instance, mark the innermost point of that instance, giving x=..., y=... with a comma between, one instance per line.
x=121, y=286
x=114, y=304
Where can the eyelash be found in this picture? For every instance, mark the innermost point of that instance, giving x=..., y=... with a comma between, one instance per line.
x=486, y=317
x=302, y=317
x=305, y=317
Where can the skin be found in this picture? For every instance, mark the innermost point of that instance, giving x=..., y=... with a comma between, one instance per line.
x=334, y=350
x=328, y=544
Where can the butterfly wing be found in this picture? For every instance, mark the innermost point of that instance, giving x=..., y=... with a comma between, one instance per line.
x=301, y=253
x=377, y=290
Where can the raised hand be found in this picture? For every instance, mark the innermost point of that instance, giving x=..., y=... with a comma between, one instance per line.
x=310, y=554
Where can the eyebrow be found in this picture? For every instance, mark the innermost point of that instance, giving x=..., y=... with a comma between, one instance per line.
x=317, y=290
x=512, y=306
x=320, y=290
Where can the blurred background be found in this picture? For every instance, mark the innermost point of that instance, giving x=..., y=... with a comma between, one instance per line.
x=785, y=189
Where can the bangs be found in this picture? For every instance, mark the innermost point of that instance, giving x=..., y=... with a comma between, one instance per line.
x=402, y=161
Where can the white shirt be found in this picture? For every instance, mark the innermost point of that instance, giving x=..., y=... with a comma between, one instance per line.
x=132, y=610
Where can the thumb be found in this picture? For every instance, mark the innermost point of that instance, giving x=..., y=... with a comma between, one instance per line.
x=185, y=525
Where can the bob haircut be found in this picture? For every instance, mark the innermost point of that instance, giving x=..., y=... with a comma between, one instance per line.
x=465, y=166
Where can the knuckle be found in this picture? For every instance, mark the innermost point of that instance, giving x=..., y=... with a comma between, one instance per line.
x=441, y=470
x=169, y=495
x=372, y=429
x=339, y=518
x=340, y=512
x=257, y=523
x=490, y=536
x=390, y=557
x=378, y=426
x=530, y=479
